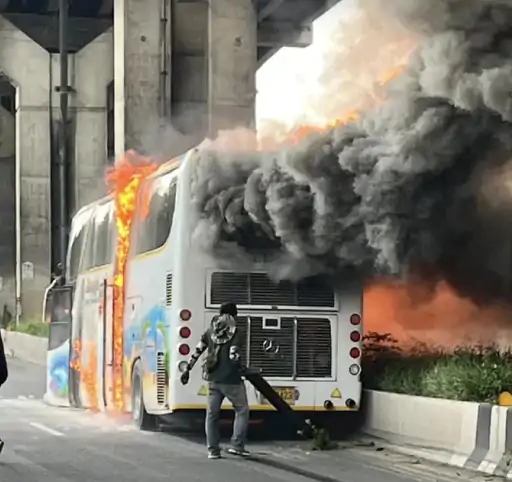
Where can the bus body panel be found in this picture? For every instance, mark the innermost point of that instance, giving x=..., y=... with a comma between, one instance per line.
x=147, y=317
x=89, y=267
x=58, y=355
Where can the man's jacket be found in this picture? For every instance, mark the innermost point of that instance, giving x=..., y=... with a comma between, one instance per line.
x=3, y=363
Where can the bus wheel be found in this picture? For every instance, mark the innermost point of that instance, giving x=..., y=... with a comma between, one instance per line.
x=143, y=420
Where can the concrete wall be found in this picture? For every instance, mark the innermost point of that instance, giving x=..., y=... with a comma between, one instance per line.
x=26, y=64
x=193, y=66
x=35, y=74
x=214, y=65
x=90, y=80
x=137, y=37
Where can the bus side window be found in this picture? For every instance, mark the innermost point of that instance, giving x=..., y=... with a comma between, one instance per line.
x=88, y=261
x=154, y=226
x=102, y=249
x=111, y=236
x=75, y=254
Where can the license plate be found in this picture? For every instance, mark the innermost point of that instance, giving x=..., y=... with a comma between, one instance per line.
x=286, y=393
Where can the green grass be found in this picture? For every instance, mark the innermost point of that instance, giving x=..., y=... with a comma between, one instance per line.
x=30, y=327
x=476, y=374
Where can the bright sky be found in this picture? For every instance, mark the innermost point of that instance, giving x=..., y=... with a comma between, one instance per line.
x=292, y=71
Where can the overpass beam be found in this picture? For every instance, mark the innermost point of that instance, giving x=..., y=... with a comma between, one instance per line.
x=232, y=64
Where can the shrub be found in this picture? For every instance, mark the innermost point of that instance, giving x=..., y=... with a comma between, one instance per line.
x=477, y=374
x=31, y=327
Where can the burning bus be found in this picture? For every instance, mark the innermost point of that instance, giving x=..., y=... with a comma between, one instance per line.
x=138, y=290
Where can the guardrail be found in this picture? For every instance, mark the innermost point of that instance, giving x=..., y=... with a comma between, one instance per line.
x=475, y=436
x=25, y=347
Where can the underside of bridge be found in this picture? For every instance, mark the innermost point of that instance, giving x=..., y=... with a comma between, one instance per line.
x=280, y=22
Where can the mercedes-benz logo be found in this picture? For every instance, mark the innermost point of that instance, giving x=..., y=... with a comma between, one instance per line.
x=270, y=346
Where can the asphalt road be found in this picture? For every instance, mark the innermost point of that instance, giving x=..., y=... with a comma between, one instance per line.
x=46, y=444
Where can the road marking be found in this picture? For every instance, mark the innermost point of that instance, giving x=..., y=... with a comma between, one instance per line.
x=46, y=429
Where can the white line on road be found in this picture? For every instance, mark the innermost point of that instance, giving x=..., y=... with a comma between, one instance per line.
x=46, y=429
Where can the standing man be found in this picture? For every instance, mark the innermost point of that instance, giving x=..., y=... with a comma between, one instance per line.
x=222, y=371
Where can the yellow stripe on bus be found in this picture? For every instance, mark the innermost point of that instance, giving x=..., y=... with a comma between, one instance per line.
x=267, y=408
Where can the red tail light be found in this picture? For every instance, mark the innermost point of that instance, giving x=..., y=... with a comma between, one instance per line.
x=355, y=336
x=355, y=319
x=355, y=352
x=184, y=349
x=185, y=332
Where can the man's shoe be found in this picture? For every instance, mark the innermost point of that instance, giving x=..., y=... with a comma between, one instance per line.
x=214, y=455
x=239, y=452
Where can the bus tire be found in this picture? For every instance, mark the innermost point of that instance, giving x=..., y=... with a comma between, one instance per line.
x=142, y=419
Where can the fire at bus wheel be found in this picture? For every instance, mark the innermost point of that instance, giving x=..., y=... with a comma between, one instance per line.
x=143, y=420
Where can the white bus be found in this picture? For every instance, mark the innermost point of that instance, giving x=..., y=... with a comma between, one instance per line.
x=305, y=337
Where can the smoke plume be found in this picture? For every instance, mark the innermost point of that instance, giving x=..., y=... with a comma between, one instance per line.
x=417, y=185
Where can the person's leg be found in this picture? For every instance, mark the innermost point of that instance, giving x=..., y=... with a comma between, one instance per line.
x=237, y=395
x=215, y=398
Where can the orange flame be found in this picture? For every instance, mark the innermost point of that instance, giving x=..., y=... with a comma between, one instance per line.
x=435, y=316
x=124, y=180
x=88, y=373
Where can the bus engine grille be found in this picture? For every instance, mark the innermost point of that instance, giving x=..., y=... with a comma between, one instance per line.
x=300, y=348
x=256, y=289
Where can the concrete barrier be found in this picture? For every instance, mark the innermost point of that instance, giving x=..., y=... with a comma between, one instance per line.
x=475, y=436
x=25, y=347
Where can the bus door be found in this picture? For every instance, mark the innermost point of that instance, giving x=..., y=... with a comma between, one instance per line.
x=58, y=308
x=107, y=312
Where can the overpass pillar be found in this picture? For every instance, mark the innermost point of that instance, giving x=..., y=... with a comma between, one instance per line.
x=137, y=36
x=213, y=68
x=232, y=64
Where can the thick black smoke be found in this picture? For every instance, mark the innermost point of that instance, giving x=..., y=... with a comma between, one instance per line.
x=403, y=190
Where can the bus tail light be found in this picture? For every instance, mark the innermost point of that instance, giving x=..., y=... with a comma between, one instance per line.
x=185, y=332
x=184, y=349
x=355, y=352
x=182, y=366
x=354, y=369
x=355, y=336
x=185, y=315
x=355, y=319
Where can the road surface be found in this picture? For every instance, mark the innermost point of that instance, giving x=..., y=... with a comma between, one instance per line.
x=47, y=444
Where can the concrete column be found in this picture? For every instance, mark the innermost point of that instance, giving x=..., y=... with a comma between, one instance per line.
x=93, y=71
x=7, y=209
x=27, y=65
x=137, y=37
x=232, y=64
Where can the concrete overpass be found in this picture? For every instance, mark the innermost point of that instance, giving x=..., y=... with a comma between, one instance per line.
x=144, y=74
